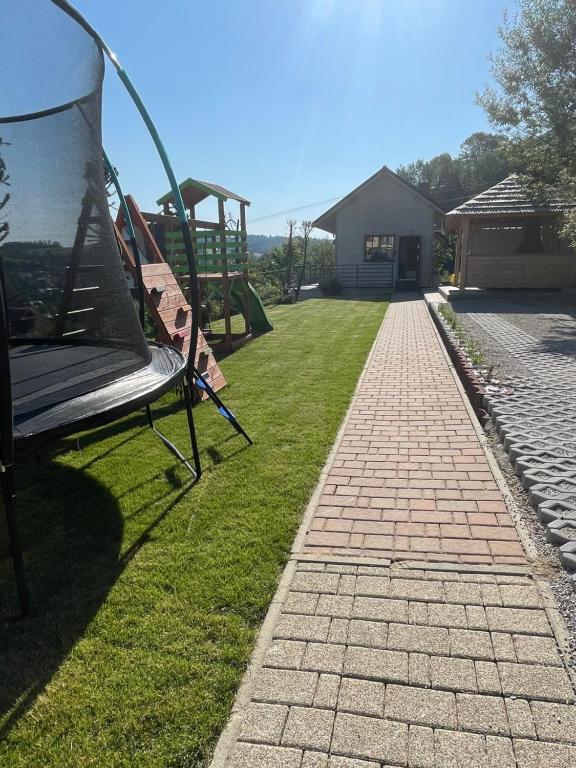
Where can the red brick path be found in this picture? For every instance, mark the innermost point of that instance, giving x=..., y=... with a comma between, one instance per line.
x=410, y=479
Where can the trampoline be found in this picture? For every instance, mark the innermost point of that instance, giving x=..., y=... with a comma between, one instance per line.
x=73, y=354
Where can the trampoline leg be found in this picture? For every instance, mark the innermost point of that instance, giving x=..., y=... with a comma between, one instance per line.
x=9, y=496
x=172, y=448
x=191, y=428
x=201, y=383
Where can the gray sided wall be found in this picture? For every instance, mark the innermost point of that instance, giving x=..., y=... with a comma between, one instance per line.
x=385, y=207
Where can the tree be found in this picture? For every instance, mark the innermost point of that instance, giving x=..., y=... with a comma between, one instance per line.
x=534, y=98
x=483, y=161
x=305, y=229
x=291, y=224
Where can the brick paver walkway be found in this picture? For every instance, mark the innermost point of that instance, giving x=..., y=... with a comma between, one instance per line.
x=371, y=663
x=410, y=479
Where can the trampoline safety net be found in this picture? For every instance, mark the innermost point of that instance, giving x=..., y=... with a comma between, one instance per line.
x=62, y=275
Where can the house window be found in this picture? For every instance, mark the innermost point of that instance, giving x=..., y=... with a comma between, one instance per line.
x=379, y=248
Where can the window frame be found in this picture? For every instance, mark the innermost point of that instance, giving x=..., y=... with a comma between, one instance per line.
x=387, y=251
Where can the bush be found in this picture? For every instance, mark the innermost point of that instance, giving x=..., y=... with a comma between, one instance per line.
x=288, y=298
x=330, y=286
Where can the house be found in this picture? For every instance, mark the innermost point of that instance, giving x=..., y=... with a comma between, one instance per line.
x=384, y=233
x=506, y=239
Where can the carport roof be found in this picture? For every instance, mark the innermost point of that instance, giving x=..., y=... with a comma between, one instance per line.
x=509, y=197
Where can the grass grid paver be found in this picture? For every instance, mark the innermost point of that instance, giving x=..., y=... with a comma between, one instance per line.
x=414, y=666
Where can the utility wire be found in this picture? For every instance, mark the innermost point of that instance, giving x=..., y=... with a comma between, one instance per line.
x=293, y=210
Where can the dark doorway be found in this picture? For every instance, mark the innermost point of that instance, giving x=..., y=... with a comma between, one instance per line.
x=408, y=263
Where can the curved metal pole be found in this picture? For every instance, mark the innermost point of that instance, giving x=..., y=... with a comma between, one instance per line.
x=178, y=202
x=132, y=235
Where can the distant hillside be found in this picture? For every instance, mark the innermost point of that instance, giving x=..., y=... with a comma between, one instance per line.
x=259, y=244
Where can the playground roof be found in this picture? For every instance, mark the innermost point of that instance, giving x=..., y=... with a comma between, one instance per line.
x=194, y=191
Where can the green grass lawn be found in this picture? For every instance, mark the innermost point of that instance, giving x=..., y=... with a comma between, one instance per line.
x=149, y=592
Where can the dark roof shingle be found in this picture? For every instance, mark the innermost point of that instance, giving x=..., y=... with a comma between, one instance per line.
x=509, y=197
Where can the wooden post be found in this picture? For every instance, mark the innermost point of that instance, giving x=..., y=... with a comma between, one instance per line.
x=464, y=254
x=458, y=256
x=244, y=249
x=225, y=278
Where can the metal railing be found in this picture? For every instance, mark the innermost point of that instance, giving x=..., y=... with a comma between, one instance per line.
x=363, y=275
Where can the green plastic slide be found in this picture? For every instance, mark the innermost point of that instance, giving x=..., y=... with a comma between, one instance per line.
x=239, y=299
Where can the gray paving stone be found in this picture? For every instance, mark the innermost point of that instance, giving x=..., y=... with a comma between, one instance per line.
x=482, y=714
x=421, y=706
x=541, y=754
x=347, y=762
x=308, y=728
x=407, y=637
x=499, y=752
x=338, y=632
x=376, y=664
x=476, y=617
x=326, y=695
x=362, y=697
x=300, y=602
x=419, y=669
x=491, y=594
x=370, y=738
x=380, y=609
x=454, y=749
x=339, y=606
x=453, y=674
x=449, y=615
x=471, y=644
x=299, y=627
x=264, y=723
x=467, y=593
x=347, y=585
x=247, y=755
x=285, y=686
x=537, y=650
x=520, y=597
x=504, y=649
x=535, y=681
x=420, y=747
x=285, y=654
x=373, y=634
x=323, y=657
x=326, y=583
x=317, y=567
x=418, y=613
x=487, y=677
x=520, y=718
x=340, y=568
x=555, y=722
x=373, y=586
x=518, y=620
x=315, y=760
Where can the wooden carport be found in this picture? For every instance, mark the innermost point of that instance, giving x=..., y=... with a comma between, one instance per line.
x=506, y=239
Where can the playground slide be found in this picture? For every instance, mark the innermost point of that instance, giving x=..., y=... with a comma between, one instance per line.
x=258, y=319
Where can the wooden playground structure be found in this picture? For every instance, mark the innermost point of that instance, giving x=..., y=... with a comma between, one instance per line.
x=165, y=301
x=221, y=251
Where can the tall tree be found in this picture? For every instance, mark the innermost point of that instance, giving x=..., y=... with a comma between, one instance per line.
x=534, y=100
x=291, y=224
x=305, y=229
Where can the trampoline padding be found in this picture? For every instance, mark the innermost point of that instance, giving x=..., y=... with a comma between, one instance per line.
x=64, y=388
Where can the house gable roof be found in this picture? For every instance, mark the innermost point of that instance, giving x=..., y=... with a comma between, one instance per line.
x=509, y=197
x=322, y=222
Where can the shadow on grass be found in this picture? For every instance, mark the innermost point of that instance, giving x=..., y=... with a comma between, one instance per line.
x=72, y=531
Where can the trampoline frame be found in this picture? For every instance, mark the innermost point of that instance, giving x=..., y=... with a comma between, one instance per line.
x=7, y=459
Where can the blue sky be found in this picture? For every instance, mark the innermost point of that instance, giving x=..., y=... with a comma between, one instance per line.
x=290, y=102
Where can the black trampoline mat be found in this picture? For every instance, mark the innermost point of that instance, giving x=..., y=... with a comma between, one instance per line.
x=55, y=387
